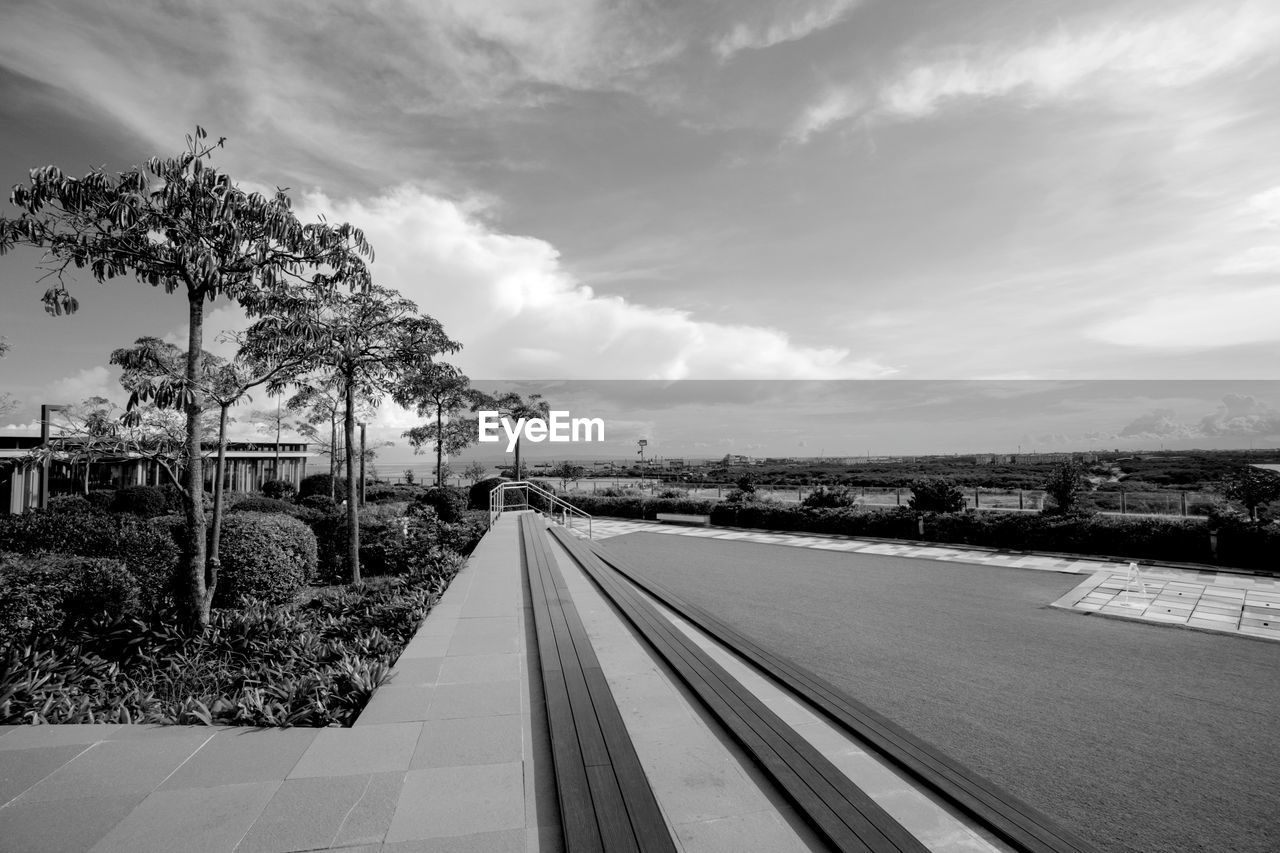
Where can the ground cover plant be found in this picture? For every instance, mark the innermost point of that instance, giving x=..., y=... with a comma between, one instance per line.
x=89, y=631
x=314, y=663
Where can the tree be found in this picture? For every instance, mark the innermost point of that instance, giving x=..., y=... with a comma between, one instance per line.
x=475, y=471
x=438, y=391
x=179, y=224
x=155, y=372
x=269, y=421
x=1065, y=482
x=567, y=472
x=935, y=495
x=321, y=402
x=1252, y=487
x=85, y=433
x=364, y=342
x=514, y=407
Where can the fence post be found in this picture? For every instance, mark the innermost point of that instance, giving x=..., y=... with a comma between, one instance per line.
x=1124, y=504
x=975, y=499
x=1183, y=495
x=1019, y=498
x=897, y=496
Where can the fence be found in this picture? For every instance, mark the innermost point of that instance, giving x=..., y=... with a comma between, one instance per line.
x=1177, y=503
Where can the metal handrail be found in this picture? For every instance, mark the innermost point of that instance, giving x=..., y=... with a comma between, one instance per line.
x=498, y=503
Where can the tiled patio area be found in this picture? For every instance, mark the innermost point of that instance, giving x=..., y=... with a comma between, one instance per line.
x=1210, y=601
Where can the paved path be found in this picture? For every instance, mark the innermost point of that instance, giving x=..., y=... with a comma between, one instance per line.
x=1223, y=602
x=452, y=754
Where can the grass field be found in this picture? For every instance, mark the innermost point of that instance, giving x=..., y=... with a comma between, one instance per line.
x=1140, y=737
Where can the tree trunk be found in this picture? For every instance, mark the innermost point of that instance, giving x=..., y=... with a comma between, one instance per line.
x=194, y=593
x=353, y=511
x=86, y=478
x=440, y=446
x=275, y=471
x=517, y=469
x=333, y=455
x=215, y=538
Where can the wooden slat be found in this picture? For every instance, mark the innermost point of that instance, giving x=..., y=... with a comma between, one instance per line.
x=599, y=778
x=1015, y=822
x=837, y=809
x=577, y=811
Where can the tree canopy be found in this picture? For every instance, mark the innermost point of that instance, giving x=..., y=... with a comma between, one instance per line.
x=179, y=224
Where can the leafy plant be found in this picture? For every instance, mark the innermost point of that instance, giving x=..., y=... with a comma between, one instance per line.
x=935, y=495
x=267, y=557
x=1065, y=482
x=279, y=489
x=146, y=501
x=1252, y=487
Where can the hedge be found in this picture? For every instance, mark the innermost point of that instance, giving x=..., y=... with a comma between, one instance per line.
x=147, y=550
x=640, y=507
x=41, y=593
x=269, y=557
x=1169, y=539
x=146, y=501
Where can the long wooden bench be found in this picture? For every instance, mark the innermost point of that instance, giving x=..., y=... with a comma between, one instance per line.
x=605, y=799
x=1016, y=823
x=845, y=816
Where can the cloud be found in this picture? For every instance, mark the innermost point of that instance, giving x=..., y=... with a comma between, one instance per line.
x=1160, y=423
x=1242, y=415
x=520, y=315
x=1196, y=321
x=95, y=381
x=1110, y=61
x=782, y=25
x=1252, y=261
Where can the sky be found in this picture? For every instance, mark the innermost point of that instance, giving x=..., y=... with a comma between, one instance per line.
x=995, y=190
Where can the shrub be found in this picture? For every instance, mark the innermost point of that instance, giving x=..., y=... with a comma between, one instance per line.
x=311, y=665
x=478, y=495
x=1065, y=482
x=828, y=498
x=321, y=503
x=101, y=498
x=55, y=592
x=279, y=489
x=258, y=503
x=376, y=493
x=67, y=504
x=449, y=502
x=146, y=501
x=318, y=484
x=639, y=507
x=935, y=496
x=269, y=557
x=150, y=554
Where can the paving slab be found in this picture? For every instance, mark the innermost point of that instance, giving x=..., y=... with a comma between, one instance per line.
x=195, y=820
x=236, y=755
x=440, y=802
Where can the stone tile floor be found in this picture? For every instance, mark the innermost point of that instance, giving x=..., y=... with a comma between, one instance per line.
x=1210, y=601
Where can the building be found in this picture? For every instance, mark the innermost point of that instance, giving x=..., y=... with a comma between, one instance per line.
x=26, y=483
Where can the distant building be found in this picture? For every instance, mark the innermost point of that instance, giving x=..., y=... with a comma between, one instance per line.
x=248, y=465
